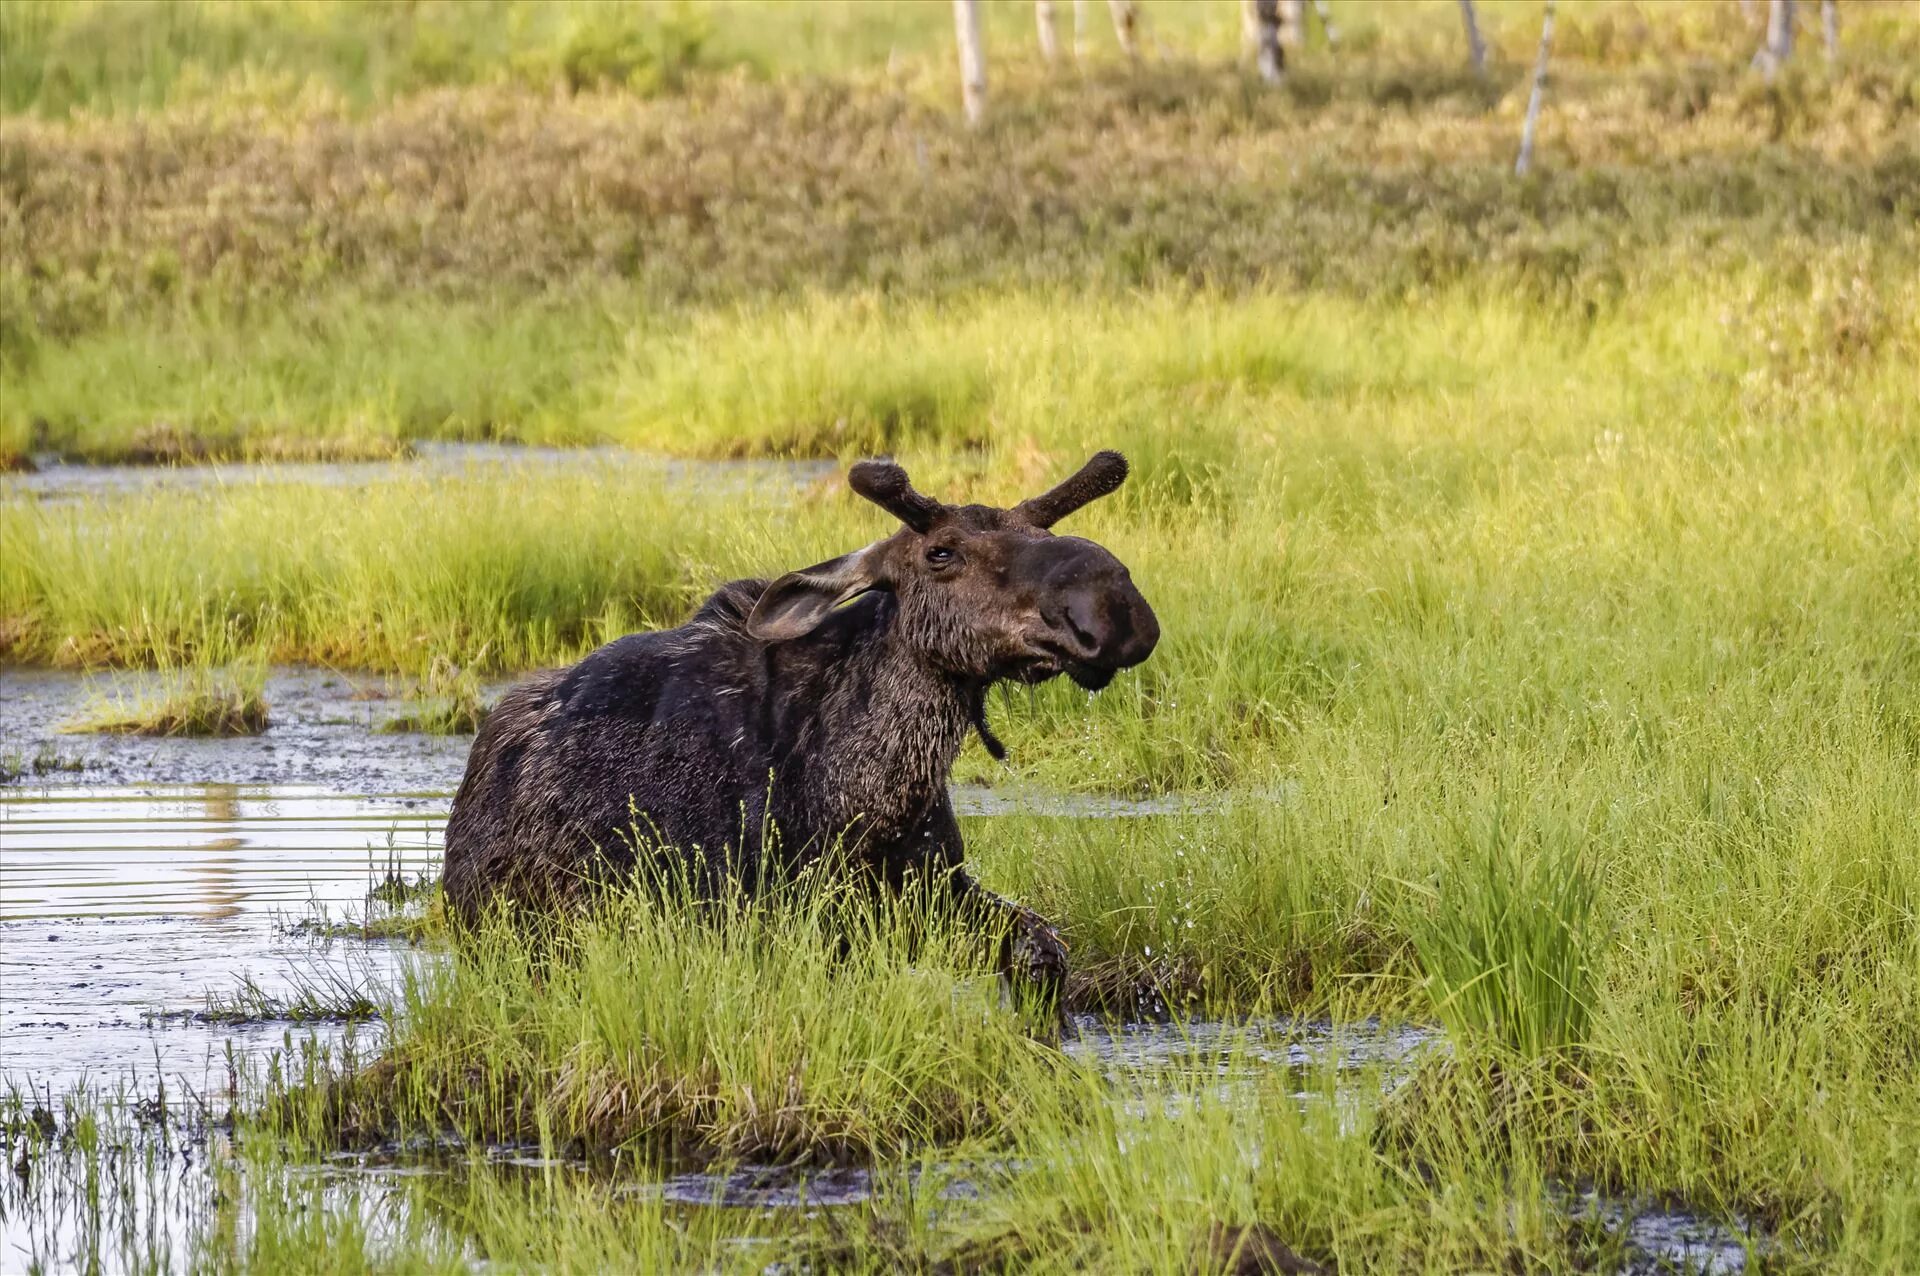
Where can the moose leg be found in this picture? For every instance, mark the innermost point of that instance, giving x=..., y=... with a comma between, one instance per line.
x=1031, y=951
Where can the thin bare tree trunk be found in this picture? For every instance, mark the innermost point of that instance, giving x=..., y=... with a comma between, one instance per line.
x=1126, y=26
x=1830, y=25
x=1293, y=22
x=1079, y=30
x=1522, y=164
x=1321, y=11
x=973, y=59
x=1043, y=19
x=1778, y=45
x=1263, y=18
x=1476, y=47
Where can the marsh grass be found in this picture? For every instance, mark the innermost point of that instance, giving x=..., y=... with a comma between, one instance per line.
x=1511, y=952
x=576, y=236
x=821, y=1026
x=44, y=761
x=190, y=700
x=321, y=995
x=400, y=906
x=449, y=700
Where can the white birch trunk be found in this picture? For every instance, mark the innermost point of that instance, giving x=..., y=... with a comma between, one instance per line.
x=1778, y=45
x=1522, y=164
x=1293, y=22
x=1043, y=19
x=1830, y=27
x=1267, y=53
x=973, y=59
x=1476, y=47
x=1126, y=23
x=1327, y=28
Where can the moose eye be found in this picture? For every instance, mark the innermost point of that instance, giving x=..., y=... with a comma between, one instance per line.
x=939, y=555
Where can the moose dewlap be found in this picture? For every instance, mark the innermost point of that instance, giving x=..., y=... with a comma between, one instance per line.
x=822, y=710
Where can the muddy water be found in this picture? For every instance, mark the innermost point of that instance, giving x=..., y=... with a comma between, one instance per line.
x=324, y=738
x=122, y=908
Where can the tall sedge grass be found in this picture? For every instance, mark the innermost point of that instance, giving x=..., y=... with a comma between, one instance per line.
x=813, y=1024
x=1511, y=952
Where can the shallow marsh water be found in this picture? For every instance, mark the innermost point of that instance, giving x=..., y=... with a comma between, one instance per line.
x=122, y=910
x=324, y=739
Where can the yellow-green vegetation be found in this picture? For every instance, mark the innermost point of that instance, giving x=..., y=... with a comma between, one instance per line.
x=195, y=700
x=232, y=274
x=1747, y=999
x=1537, y=561
x=809, y=1025
x=1365, y=530
x=448, y=701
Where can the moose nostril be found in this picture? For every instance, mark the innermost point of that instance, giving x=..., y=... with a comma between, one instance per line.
x=1081, y=620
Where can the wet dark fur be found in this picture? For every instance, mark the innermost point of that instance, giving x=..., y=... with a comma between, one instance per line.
x=722, y=738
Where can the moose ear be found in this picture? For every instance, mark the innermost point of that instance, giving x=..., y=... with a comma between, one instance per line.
x=794, y=605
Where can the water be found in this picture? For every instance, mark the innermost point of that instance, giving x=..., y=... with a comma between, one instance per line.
x=122, y=910
x=323, y=740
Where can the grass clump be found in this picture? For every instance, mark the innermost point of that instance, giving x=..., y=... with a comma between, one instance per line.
x=44, y=761
x=197, y=701
x=449, y=701
x=1511, y=952
x=818, y=1029
x=324, y=996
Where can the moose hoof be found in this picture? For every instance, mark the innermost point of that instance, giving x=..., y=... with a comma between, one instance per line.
x=1038, y=956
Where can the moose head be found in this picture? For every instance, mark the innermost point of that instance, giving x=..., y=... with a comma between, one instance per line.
x=984, y=594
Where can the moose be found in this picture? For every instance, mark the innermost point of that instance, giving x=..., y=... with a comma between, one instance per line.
x=821, y=711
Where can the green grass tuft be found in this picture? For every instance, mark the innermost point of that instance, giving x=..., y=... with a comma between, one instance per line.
x=818, y=1027
x=195, y=702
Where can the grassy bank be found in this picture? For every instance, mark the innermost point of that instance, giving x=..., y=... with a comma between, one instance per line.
x=223, y=273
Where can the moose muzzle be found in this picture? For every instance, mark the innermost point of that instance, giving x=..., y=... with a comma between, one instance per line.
x=1095, y=622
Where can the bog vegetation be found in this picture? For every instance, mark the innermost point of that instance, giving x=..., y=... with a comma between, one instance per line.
x=1537, y=560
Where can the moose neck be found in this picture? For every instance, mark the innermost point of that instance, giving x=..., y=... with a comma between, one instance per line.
x=880, y=734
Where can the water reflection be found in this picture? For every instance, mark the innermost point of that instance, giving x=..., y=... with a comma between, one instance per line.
x=120, y=910
x=221, y=871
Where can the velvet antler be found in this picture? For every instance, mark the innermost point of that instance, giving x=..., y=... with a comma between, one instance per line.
x=1105, y=472
x=886, y=485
